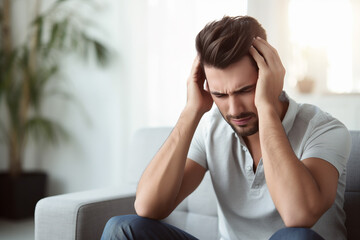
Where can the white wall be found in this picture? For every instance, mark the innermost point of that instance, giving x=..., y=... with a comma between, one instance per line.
x=95, y=155
x=110, y=97
x=171, y=30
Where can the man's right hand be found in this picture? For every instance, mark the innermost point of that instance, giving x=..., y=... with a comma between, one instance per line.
x=199, y=100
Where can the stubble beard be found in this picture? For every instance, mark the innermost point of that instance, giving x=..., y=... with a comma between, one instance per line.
x=246, y=130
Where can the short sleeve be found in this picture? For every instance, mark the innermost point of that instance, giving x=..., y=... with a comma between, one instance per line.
x=197, y=151
x=331, y=141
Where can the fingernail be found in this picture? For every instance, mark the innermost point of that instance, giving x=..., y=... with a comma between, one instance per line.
x=258, y=37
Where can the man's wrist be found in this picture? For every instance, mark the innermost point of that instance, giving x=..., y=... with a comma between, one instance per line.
x=264, y=105
x=192, y=113
x=266, y=110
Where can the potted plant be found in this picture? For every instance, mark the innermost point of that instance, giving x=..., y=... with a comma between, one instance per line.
x=27, y=73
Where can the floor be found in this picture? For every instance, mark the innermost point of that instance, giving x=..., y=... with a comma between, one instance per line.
x=17, y=230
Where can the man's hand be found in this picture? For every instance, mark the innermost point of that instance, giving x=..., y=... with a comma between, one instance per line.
x=198, y=99
x=271, y=73
x=302, y=191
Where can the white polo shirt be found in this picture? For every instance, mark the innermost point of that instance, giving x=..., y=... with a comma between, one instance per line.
x=245, y=208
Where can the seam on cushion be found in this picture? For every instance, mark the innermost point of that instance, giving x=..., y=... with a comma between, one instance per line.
x=77, y=234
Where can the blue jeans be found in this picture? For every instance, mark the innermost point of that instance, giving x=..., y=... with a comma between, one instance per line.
x=135, y=227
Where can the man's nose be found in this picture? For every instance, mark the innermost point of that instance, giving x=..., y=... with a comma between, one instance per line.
x=235, y=106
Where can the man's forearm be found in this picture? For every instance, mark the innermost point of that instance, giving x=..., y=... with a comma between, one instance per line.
x=161, y=181
x=291, y=185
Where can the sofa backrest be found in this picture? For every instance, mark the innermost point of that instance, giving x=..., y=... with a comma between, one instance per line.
x=144, y=145
x=352, y=191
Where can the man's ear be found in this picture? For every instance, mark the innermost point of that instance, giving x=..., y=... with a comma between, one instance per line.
x=206, y=86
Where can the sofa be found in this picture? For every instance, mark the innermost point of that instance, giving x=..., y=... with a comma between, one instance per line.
x=83, y=215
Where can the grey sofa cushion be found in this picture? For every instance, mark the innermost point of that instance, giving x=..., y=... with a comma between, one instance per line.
x=144, y=145
x=81, y=215
x=92, y=213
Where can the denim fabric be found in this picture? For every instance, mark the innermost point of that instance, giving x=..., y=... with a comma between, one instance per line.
x=133, y=227
x=296, y=234
x=136, y=228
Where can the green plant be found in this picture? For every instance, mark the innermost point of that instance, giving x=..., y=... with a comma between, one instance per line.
x=27, y=72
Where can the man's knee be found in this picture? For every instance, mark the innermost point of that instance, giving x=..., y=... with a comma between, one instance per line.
x=123, y=227
x=296, y=234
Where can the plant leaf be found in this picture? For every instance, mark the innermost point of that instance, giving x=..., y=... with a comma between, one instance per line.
x=39, y=83
x=42, y=128
x=101, y=53
x=39, y=27
x=62, y=35
x=73, y=99
x=53, y=38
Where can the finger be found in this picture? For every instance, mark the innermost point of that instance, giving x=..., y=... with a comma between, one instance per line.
x=259, y=59
x=195, y=65
x=267, y=51
x=265, y=43
x=276, y=60
x=194, y=69
x=197, y=74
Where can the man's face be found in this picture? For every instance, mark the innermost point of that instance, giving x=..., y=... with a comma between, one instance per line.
x=233, y=91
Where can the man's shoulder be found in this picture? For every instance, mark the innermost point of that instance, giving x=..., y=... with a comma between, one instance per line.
x=312, y=122
x=314, y=116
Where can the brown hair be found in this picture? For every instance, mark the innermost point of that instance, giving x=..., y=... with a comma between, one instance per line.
x=221, y=43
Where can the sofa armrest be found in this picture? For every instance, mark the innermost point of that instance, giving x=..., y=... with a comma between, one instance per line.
x=81, y=215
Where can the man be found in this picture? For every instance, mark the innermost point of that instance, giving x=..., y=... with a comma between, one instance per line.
x=278, y=167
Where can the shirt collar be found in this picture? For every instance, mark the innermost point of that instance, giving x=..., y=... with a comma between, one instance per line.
x=291, y=112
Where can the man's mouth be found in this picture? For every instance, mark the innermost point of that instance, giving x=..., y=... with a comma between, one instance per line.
x=241, y=121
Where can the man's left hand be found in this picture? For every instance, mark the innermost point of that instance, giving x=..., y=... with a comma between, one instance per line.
x=271, y=73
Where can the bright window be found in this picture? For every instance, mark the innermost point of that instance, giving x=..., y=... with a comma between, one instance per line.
x=324, y=30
